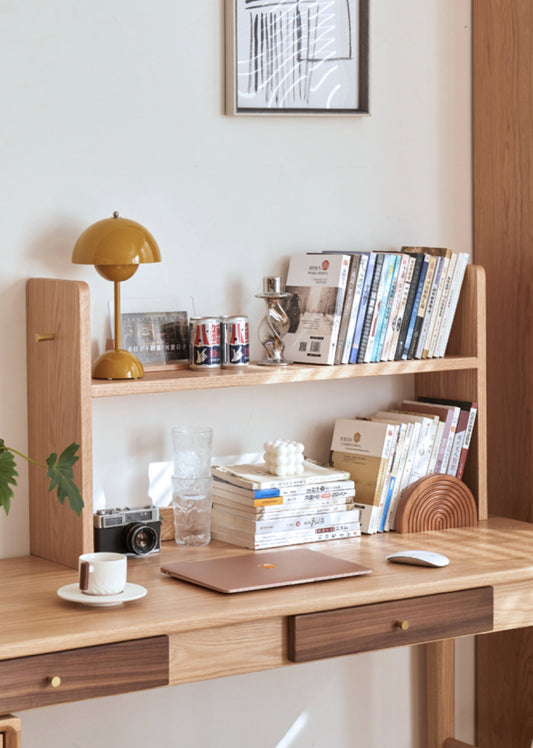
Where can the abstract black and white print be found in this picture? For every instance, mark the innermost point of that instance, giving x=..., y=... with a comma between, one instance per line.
x=297, y=54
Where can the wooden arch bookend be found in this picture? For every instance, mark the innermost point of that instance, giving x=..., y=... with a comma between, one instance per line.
x=436, y=502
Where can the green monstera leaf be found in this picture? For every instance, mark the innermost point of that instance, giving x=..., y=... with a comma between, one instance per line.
x=61, y=476
x=8, y=475
x=59, y=471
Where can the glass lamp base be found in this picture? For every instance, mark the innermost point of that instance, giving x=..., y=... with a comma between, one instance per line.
x=118, y=364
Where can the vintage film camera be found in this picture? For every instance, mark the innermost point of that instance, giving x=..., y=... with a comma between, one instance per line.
x=132, y=531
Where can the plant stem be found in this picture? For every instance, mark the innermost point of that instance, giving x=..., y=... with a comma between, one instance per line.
x=15, y=451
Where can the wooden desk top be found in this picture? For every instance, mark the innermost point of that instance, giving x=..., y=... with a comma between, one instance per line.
x=498, y=552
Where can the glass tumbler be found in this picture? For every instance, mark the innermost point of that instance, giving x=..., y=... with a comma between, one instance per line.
x=191, y=502
x=191, y=447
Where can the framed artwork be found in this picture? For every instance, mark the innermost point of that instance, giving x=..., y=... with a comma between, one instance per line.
x=297, y=57
x=155, y=332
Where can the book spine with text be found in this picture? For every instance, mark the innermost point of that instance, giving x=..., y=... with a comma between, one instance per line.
x=451, y=304
x=347, y=306
x=361, y=273
x=383, y=321
x=256, y=528
x=392, y=326
x=291, y=510
x=363, y=306
x=365, y=334
x=413, y=286
x=333, y=532
x=414, y=311
x=423, y=309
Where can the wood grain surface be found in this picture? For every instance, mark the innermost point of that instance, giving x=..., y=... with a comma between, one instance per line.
x=436, y=502
x=496, y=553
x=365, y=628
x=83, y=673
x=503, y=244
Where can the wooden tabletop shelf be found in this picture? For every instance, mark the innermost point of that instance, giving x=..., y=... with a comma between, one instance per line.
x=61, y=395
x=178, y=380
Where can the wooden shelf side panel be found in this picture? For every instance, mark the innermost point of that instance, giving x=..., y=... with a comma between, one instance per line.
x=468, y=336
x=59, y=412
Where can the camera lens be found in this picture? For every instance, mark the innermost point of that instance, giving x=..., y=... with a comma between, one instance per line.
x=140, y=539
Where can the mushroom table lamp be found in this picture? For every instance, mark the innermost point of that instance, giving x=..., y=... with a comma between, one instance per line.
x=116, y=247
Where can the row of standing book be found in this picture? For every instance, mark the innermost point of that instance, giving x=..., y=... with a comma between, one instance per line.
x=364, y=307
x=390, y=451
x=373, y=460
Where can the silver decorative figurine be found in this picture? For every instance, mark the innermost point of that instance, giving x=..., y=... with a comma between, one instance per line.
x=275, y=324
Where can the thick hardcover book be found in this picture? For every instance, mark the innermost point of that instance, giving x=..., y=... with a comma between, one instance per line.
x=451, y=304
x=356, y=303
x=413, y=287
x=448, y=415
x=363, y=306
x=422, y=307
x=369, y=314
x=276, y=540
x=268, y=526
x=389, y=288
x=414, y=311
x=317, y=286
x=257, y=476
x=363, y=448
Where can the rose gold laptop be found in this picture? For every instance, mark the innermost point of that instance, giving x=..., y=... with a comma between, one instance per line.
x=263, y=569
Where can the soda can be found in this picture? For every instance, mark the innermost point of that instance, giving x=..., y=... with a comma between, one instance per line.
x=204, y=343
x=235, y=342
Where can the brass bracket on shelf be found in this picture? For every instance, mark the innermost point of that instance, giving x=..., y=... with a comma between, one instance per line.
x=39, y=337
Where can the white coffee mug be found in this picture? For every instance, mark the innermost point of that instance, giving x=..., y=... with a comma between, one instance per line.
x=102, y=573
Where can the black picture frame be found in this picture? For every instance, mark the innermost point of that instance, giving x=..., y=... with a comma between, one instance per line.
x=257, y=21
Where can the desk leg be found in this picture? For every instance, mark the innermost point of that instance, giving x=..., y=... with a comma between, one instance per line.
x=10, y=732
x=440, y=675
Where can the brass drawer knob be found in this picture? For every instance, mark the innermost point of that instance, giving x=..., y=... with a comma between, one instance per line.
x=55, y=681
x=403, y=625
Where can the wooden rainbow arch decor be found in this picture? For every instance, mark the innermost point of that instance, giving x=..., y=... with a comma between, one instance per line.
x=436, y=502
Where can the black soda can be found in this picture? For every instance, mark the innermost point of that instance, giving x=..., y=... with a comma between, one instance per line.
x=204, y=343
x=235, y=341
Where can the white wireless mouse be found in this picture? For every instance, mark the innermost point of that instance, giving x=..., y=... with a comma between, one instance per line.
x=419, y=558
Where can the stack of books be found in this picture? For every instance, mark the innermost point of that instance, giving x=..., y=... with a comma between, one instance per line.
x=364, y=307
x=256, y=509
x=393, y=449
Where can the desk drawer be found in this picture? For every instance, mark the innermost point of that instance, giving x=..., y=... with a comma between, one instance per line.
x=58, y=677
x=313, y=636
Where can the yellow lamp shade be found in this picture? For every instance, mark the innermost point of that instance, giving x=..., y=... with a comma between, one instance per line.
x=115, y=241
x=116, y=247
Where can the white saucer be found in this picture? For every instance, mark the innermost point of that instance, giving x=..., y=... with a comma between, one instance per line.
x=73, y=593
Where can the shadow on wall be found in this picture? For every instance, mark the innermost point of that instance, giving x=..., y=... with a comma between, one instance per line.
x=50, y=251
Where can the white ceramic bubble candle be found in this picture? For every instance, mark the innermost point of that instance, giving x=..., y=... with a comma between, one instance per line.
x=284, y=457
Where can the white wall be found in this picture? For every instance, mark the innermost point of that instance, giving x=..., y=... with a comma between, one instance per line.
x=118, y=105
